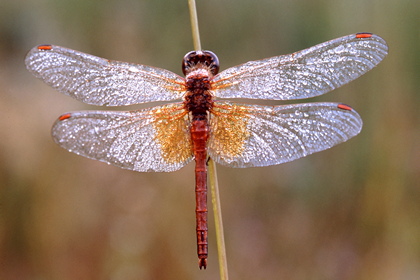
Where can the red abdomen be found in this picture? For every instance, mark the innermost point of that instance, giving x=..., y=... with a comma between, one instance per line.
x=199, y=136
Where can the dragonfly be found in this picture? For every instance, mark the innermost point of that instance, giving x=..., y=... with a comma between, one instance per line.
x=202, y=124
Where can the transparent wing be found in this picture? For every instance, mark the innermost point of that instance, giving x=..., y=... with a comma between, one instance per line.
x=303, y=74
x=99, y=81
x=253, y=135
x=156, y=139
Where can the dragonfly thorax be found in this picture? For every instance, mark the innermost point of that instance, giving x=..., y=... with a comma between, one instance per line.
x=198, y=102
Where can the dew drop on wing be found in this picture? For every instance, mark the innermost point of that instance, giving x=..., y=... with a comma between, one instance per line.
x=155, y=88
x=133, y=69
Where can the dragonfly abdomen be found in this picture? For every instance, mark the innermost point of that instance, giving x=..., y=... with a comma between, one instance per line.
x=199, y=136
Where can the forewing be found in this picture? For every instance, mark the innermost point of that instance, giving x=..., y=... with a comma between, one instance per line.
x=253, y=135
x=303, y=74
x=99, y=81
x=156, y=139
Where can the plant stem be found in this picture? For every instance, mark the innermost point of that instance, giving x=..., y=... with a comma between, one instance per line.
x=194, y=25
x=220, y=240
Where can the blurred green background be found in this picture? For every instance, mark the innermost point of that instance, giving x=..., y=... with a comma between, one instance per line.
x=351, y=212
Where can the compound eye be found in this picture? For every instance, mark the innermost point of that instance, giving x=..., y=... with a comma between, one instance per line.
x=189, y=56
x=194, y=58
x=189, y=61
x=212, y=62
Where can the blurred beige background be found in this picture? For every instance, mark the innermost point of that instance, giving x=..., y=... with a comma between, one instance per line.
x=351, y=212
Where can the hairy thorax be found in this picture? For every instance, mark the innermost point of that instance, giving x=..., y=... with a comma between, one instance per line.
x=198, y=100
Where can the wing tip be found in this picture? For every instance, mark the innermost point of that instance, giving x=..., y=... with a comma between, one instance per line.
x=374, y=37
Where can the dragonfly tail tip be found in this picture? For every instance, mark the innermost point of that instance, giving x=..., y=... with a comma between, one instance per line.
x=202, y=263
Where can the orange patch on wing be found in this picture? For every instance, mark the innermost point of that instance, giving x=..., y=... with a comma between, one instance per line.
x=229, y=128
x=172, y=132
x=221, y=84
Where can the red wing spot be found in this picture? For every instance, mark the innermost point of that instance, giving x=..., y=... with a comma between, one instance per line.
x=44, y=47
x=344, y=107
x=64, y=117
x=363, y=35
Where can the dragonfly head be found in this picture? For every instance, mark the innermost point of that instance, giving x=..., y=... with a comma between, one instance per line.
x=198, y=59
